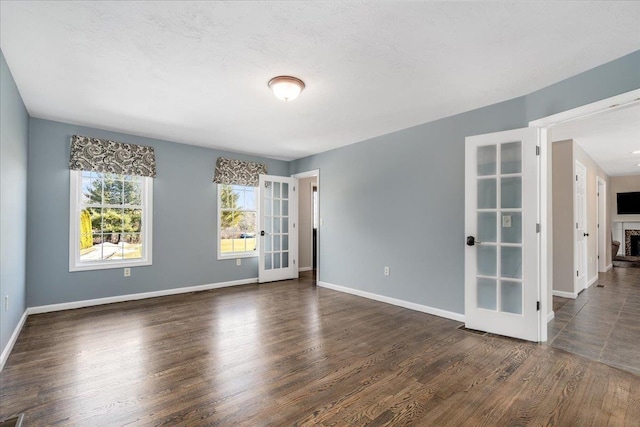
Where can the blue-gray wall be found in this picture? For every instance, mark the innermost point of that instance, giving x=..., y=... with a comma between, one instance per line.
x=398, y=200
x=14, y=133
x=184, y=220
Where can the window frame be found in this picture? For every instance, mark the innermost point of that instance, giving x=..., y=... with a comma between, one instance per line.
x=75, y=207
x=235, y=255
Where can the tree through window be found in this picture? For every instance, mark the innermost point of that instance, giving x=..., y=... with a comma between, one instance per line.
x=109, y=213
x=237, y=220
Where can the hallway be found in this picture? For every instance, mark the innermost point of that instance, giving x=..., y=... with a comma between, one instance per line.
x=603, y=323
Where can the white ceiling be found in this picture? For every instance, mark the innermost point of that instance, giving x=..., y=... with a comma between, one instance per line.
x=609, y=138
x=197, y=72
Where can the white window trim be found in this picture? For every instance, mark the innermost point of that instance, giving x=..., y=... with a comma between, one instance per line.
x=232, y=255
x=75, y=264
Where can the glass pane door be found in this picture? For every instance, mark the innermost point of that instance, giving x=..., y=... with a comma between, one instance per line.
x=278, y=201
x=276, y=240
x=499, y=225
x=502, y=247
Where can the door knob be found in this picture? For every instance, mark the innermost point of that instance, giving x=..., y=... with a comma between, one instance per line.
x=262, y=232
x=472, y=241
x=586, y=234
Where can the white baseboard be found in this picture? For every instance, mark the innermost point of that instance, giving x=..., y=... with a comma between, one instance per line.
x=394, y=301
x=608, y=267
x=305, y=268
x=550, y=316
x=564, y=294
x=132, y=297
x=12, y=341
x=593, y=280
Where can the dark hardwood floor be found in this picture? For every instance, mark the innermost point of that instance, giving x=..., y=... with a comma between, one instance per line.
x=289, y=353
x=603, y=323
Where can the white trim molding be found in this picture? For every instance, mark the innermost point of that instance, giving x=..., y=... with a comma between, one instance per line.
x=609, y=267
x=593, y=280
x=12, y=341
x=550, y=316
x=133, y=297
x=305, y=268
x=394, y=301
x=564, y=294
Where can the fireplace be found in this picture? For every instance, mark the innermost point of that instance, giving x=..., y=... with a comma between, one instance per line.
x=632, y=242
x=634, y=249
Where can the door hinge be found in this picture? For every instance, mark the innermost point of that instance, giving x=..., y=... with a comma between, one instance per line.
x=577, y=273
x=294, y=262
x=294, y=188
x=576, y=225
x=537, y=228
x=537, y=305
x=537, y=150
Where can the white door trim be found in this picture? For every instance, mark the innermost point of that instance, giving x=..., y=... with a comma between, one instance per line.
x=310, y=174
x=546, y=202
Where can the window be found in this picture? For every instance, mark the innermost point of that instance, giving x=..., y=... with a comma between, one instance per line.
x=237, y=221
x=110, y=224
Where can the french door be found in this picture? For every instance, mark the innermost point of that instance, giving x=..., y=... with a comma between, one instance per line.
x=278, y=240
x=502, y=245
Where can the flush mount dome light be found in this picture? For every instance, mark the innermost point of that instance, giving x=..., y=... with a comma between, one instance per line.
x=286, y=88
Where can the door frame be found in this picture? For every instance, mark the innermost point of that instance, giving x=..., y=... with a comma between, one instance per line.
x=546, y=202
x=309, y=174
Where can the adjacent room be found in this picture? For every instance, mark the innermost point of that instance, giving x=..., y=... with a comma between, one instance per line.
x=319, y=213
x=596, y=192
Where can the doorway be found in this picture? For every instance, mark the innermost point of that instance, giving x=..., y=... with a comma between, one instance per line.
x=309, y=223
x=599, y=225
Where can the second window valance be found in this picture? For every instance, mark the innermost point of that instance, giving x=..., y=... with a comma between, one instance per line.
x=238, y=172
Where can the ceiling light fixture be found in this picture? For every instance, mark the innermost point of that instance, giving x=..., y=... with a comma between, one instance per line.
x=635, y=152
x=286, y=88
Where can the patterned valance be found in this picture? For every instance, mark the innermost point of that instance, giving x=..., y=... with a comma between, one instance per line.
x=238, y=172
x=102, y=155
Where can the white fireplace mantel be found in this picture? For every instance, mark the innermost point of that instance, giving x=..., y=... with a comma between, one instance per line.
x=618, y=230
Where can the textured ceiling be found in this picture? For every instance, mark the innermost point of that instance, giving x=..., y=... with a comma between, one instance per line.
x=197, y=72
x=609, y=138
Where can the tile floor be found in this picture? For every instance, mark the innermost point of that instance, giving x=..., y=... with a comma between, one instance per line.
x=603, y=323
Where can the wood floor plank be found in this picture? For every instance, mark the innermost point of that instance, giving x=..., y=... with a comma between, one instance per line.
x=289, y=353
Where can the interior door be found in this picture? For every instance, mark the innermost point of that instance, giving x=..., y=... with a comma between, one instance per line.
x=278, y=240
x=501, y=219
x=581, y=227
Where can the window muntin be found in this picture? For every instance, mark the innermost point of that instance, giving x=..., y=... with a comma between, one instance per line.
x=110, y=220
x=237, y=221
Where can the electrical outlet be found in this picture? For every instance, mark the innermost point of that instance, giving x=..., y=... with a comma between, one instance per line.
x=238, y=261
x=386, y=271
x=127, y=272
x=6, y=303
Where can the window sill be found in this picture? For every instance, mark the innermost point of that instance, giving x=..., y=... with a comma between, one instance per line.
x=107, y=266
x=238, y=255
